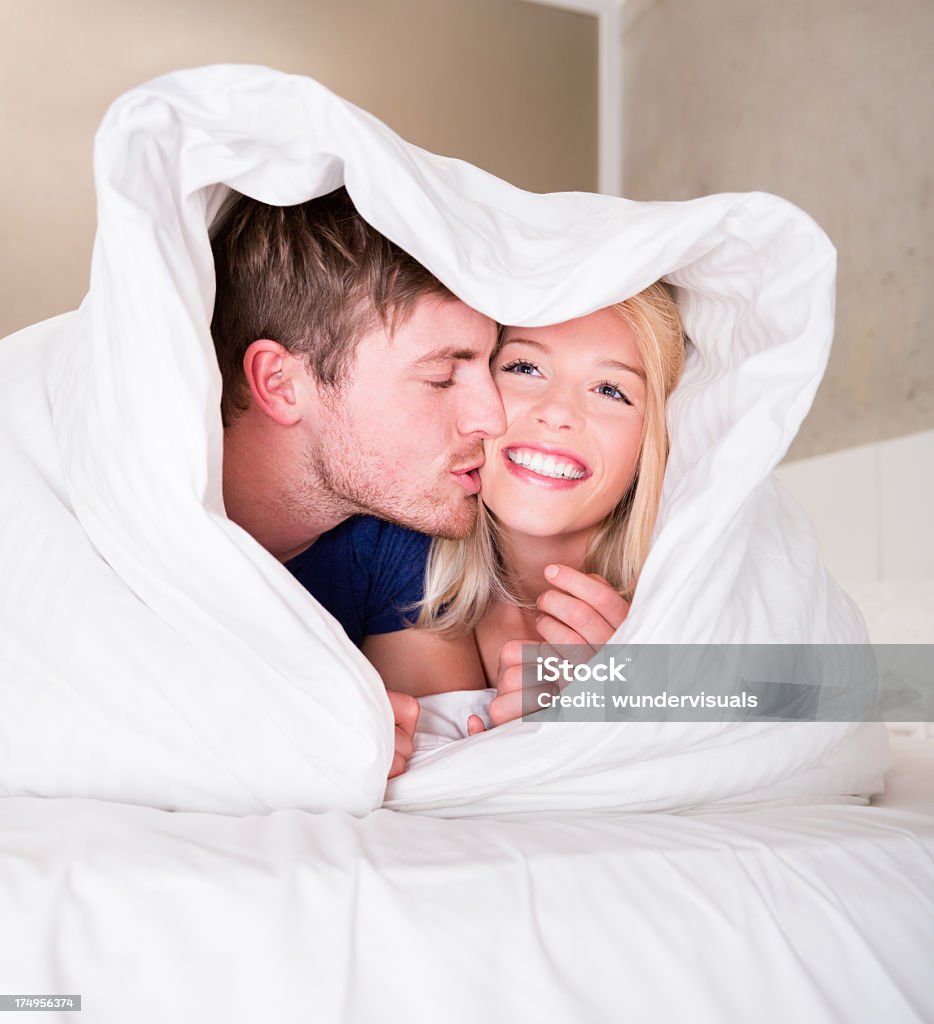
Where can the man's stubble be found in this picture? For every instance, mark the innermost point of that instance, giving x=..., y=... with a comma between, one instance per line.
x=345, y=475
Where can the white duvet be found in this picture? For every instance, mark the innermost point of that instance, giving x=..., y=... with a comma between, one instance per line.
x=152, y=653
x=823, y=915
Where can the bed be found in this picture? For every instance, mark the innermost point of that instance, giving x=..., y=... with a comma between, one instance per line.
x=193, y=756
x=809, y=913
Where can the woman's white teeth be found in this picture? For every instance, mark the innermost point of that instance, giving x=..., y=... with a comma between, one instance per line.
x=544, y=465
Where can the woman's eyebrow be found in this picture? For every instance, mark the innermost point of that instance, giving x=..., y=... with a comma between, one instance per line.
x=519, y=340
x=614, y=364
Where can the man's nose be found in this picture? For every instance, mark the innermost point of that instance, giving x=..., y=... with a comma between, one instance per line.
x=483, y=411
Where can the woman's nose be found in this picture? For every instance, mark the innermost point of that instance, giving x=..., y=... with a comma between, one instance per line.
x=557, y=409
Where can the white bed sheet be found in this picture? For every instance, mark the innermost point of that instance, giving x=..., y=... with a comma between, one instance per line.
x=796, y=913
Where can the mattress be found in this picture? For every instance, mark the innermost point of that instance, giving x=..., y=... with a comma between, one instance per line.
x=810, y=913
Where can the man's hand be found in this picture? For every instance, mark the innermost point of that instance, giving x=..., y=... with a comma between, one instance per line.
x=581, y=609
x=405, y=713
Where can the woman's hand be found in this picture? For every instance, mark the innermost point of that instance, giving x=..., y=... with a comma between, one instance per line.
x=512, y=700
x=580, y=609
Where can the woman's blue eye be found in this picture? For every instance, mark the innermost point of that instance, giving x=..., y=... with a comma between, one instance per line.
x=520, y=366
x=611, y=391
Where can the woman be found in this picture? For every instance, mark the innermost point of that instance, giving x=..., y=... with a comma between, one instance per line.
x=569, y=498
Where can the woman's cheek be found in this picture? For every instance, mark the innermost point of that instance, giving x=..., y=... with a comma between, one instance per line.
x=512, y=403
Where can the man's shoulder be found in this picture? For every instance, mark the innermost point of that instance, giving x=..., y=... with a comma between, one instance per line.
x=373, y=536
x=368, y=537
x=365, y=572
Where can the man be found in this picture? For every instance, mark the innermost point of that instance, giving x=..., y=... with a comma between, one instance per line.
x=353, y=382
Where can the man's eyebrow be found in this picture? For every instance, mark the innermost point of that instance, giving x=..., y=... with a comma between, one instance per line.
x=439, y=355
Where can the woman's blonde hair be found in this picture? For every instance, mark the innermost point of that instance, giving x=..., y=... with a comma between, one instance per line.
x=462, y=577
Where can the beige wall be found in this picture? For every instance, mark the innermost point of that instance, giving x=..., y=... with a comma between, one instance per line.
x=506, y=85
x=830, y=104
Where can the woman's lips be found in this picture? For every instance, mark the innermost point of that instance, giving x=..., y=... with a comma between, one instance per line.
x=545, y=466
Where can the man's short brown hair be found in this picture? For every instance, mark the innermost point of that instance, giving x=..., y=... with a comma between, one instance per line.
x=314, y=277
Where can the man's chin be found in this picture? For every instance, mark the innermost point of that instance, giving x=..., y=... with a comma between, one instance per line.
x=446, y=523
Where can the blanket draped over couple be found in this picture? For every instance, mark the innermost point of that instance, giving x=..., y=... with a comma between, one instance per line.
x=152, y=652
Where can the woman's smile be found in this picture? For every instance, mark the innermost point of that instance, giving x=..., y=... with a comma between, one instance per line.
x=543, y=465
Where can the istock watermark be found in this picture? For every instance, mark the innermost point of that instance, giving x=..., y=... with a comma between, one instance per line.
x=560, y=670
x=729, y=682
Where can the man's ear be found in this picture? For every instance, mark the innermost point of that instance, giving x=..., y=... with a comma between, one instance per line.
x=272, y=375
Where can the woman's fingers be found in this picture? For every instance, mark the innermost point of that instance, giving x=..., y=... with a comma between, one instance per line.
x=580, y=622
x=592, y=589
x=475, y=725
x=512, y=704
x=511, y=660
x=587, y=606
x=559, y=633
x=513, y=700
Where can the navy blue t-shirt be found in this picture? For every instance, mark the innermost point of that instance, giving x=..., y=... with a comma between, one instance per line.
x=364, y=572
